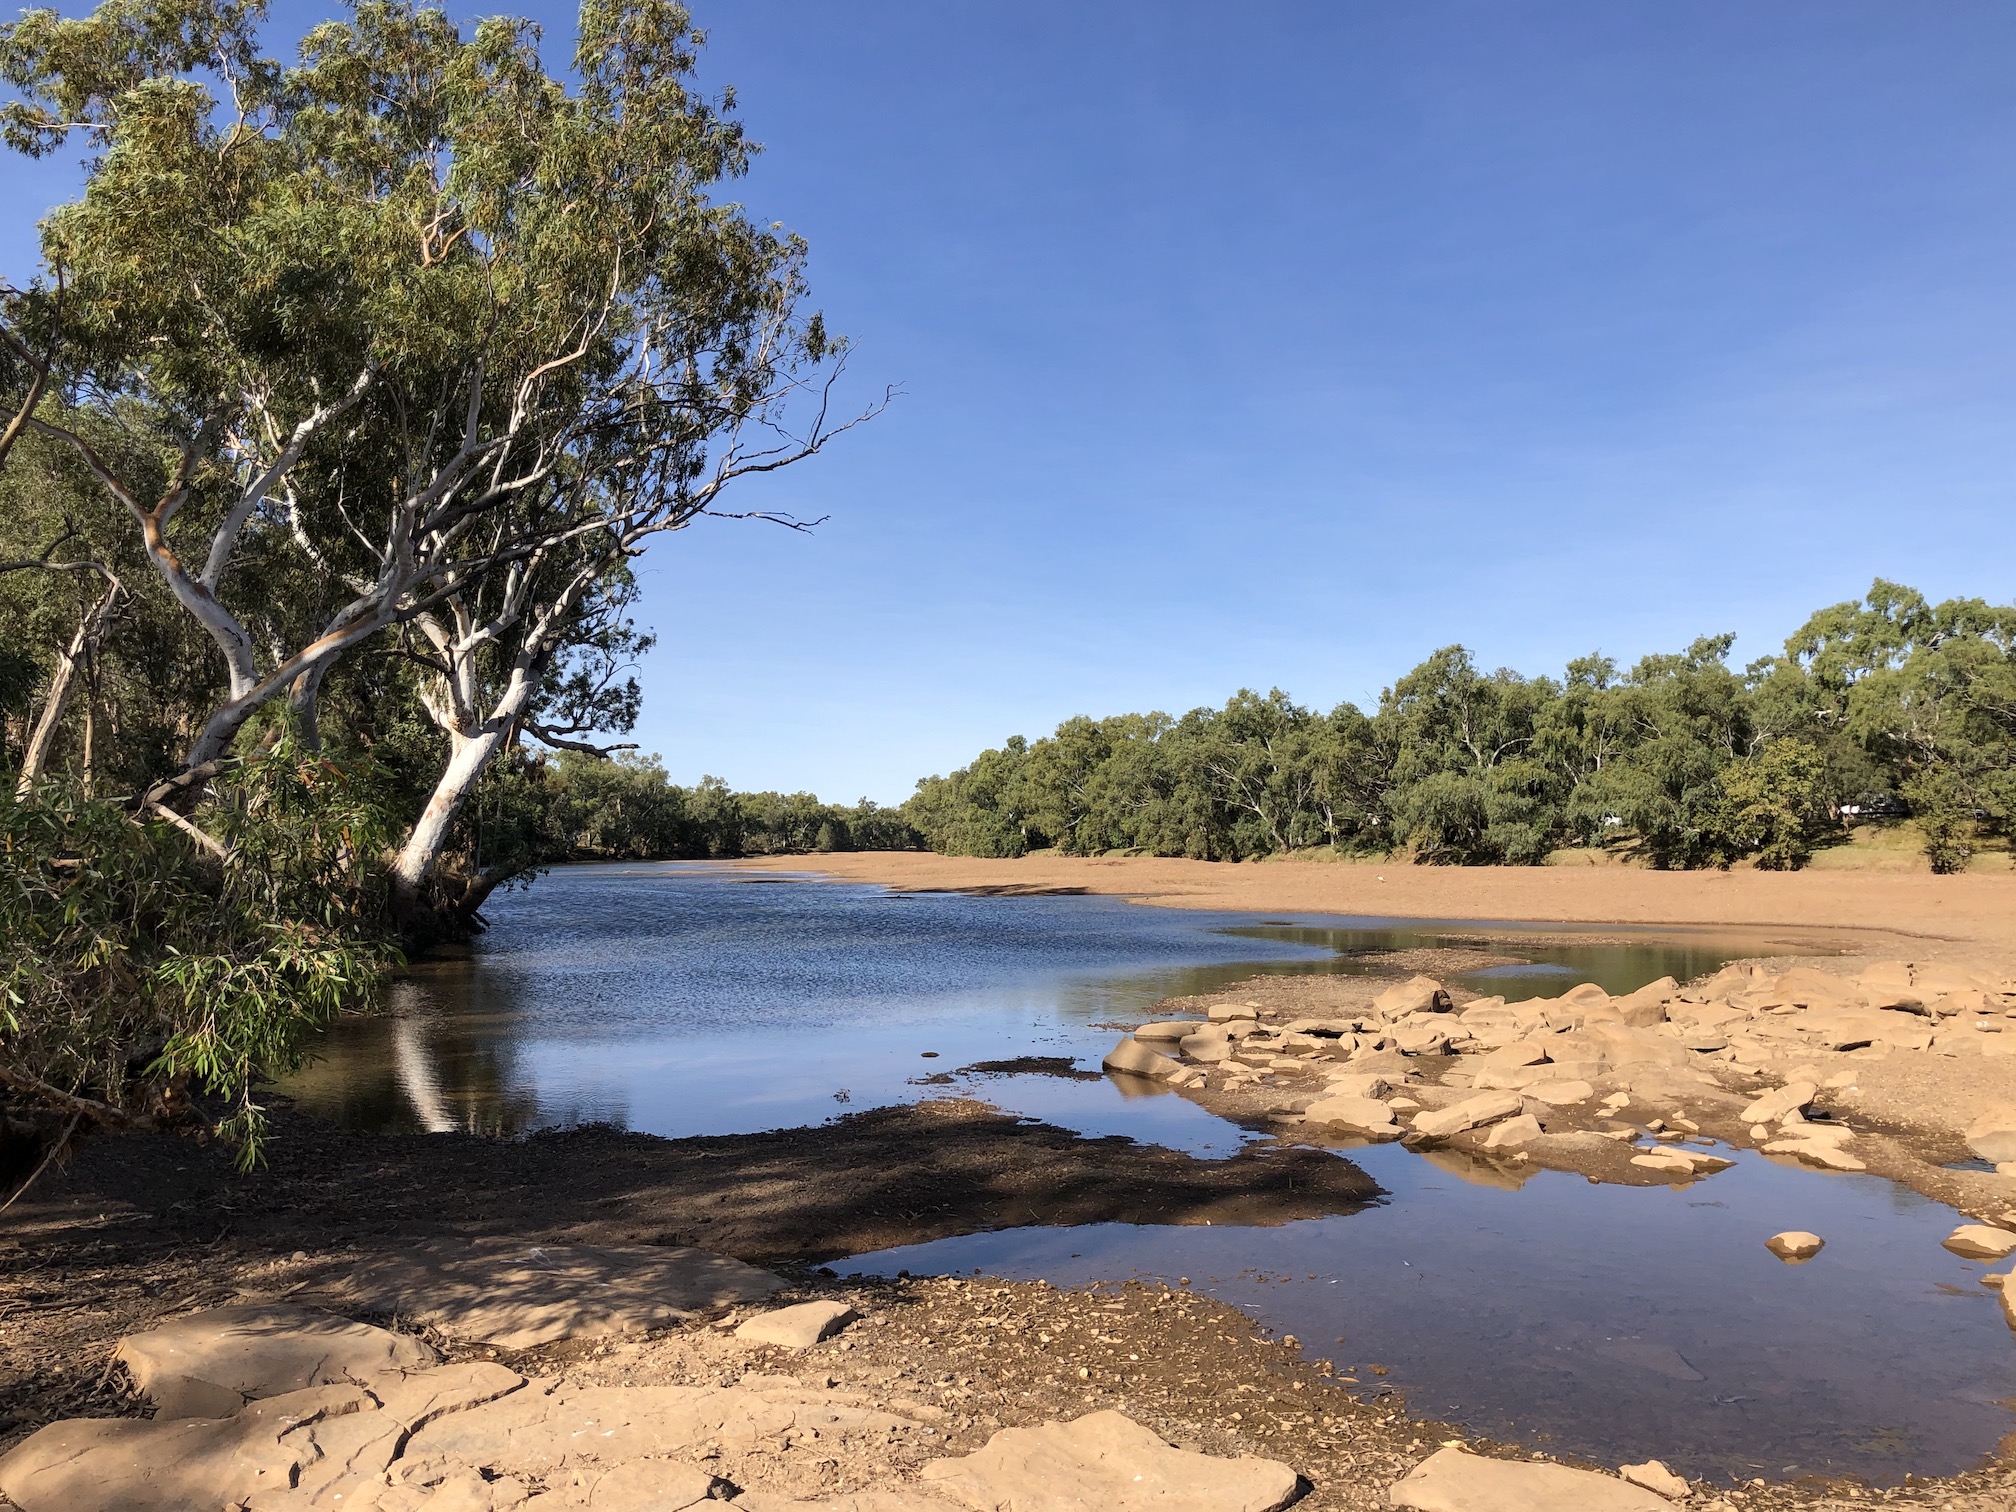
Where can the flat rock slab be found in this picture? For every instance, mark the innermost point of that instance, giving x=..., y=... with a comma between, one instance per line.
x=516, y=1295
x=797, y=1327
x=1451, y=1480
x=540, y=1433
x=1109, y=1461
x=209, y=1364
x=286, y=1452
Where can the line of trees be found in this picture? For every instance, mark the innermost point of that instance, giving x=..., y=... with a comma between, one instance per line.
x=577, y=807
x=1889, y=705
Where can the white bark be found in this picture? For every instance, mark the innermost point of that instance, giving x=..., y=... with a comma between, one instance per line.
x=35, y=760
x=467, y=758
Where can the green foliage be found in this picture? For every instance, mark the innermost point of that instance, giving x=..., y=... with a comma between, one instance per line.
x=1943, y=804
x=1682, y=760
x=1773, y=804
x=141, y=969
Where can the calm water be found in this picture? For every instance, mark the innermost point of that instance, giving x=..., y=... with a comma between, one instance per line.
x=1614, y=1322
x=682, y=999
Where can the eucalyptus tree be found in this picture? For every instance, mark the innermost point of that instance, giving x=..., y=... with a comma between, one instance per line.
x=413, y=309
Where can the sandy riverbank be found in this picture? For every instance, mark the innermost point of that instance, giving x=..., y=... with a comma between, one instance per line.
x=1959, y=919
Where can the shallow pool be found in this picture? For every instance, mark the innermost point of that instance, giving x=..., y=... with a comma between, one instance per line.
x=1614, y=1322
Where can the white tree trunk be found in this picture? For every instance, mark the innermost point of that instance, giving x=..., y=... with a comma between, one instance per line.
x=467, y=757
x=35, y=760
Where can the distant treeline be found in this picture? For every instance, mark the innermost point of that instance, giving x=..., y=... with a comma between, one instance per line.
x=576, y=807
x=1886, y=707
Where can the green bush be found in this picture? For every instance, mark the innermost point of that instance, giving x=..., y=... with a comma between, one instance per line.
x=139, y=969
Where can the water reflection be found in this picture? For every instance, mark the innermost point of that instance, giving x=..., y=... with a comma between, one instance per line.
x=685, y=999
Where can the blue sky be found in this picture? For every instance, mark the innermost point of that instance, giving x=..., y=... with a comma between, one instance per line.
x=1281, y=344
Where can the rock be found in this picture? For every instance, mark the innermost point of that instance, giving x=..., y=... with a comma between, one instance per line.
x=209, y=1364
x=651, y=1485
x=1805, y=987
x=1992, y=1136
x=1470, y=1113
x=1421, y=1039
x=1210, y=1049
x=1938, y=981
x=1361, y=1115
x=1133, y=1058
x=859, y=1501
x=797, y=1327
x=1354, y=1084
x=1105, y=1460
x=1654, y=1476
x=1977, y=1241
x=1168, y=1029
x=1585, y=995
x=136, y=1465
x=1704, y=1041
x=1561, y=1094
x=1513, y=1078
x=1416, y=995
x=1647, y=1006
x=515, y=1295
x=1665, y=1160
x=1854, y=1028
x=537, y=1433
x=1512, y=1057
x=1513, y=1132
x=1819, y=1152
x=1884, y=984
x=1795, y=1244
x=281, y=1451
x=1225, y=1012
x=1773, y=1106
x=1454, y=1480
